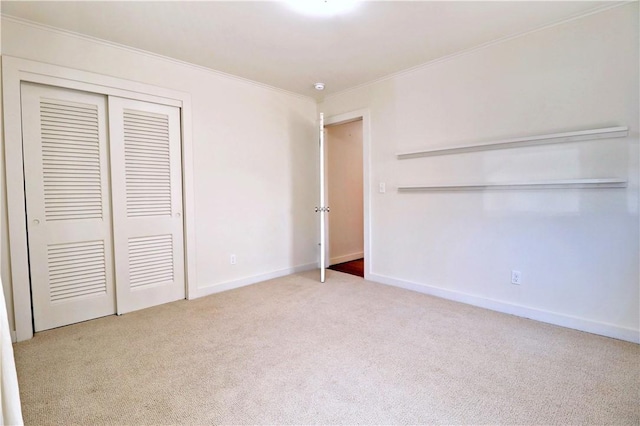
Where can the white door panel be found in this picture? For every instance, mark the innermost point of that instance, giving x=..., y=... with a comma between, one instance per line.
x=147, y=203
x=68, y=205
x=323, y=208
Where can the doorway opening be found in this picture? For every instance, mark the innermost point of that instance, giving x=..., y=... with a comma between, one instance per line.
x=344, y=183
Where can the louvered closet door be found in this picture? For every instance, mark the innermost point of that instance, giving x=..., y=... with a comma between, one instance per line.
x=68, y=208
x=147, y=203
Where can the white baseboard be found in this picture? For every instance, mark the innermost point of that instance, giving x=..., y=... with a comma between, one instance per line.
x=346, y=258
x=230, y=285
x=603, y=329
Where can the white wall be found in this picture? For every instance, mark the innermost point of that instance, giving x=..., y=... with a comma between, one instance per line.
x=10, y=409
x=5, y=269
x=344, y=187
x=578, y=250
x=254, y=149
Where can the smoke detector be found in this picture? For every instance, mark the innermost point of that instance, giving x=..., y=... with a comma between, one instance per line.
x=319, y=86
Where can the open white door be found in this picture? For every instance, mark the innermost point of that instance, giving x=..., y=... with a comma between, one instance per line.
x=322, y=209
x=147, y=203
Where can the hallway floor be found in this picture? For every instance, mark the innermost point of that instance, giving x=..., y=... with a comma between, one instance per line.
x=354, y=267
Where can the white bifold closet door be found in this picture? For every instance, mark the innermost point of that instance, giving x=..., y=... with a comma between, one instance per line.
x=104, y=204
x=66, y=166
x=146, y=178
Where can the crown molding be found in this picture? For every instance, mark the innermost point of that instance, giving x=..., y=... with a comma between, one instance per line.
x=146, y=53
x=482, y=46
x=407, y=71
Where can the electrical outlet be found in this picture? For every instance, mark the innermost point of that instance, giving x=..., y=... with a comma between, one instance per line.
x=232, y=259
x=516, y=277
x=382, y=188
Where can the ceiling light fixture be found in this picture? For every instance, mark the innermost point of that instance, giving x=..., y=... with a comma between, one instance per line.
x=319, y=86
x=322, y=7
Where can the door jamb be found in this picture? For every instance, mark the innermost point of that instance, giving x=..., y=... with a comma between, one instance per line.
x=365, y=116
x=14, y=72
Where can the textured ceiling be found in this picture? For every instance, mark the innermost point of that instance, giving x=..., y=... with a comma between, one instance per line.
x=270, y=43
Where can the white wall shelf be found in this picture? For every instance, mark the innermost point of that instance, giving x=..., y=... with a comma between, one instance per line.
x=555, y=184
x=554, y=138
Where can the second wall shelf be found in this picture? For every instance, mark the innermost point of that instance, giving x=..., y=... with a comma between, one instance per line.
x=554, y=138
x=555, y=184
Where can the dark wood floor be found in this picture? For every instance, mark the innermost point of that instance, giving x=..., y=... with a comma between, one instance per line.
x=354, y=267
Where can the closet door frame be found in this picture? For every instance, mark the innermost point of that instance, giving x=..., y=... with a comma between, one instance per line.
x=15, y=71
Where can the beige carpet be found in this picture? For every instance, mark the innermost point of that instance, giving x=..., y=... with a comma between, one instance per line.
x=292, y=350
